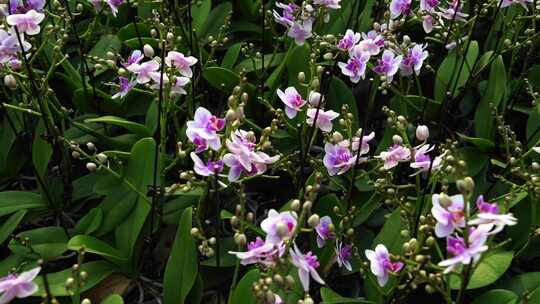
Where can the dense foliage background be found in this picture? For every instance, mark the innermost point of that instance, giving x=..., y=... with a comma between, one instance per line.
x=99, y=190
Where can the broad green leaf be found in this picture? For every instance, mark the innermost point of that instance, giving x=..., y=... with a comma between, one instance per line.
x=255, y=64
x=331, y=297
x=116, y=208
x=129, y=31
x=139, y=174
x=367, y=209
x=41, y=150
x=134, y=127
x=181, y=270
x=107, y=43
x=90, y=222
x=11, y=201
x=248, y=7
x=215, y=20
x=534, y=76
x=533, y=126
x=97, y=246
x=242, y=293
x=523, y=283
x=298, y=61
x=231, y=56
x=224, y=79
x=134, y=43
x=339, y=95
x=475, y=159
x=11, y=224
x=389, y=234
x=497, y=296
x=113, y=299
x=199, y=13
x=46, y=242
x=97, y=272
x=483, y=119
x=491, y=267
x=447, y=77
x=481, y=143
x=483, y=62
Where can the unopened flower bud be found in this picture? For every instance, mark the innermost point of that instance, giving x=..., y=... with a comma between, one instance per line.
x=90, y=146
x=240, y=239
x=397, y=139
x=328, y=56
x=148, y=50
x=314, y=98
x=337, y=137
x=91, y=167
x=313, y=220
x=301, y=77
x=444, y=200
x=194, y=232
x=282, y=229
x=422, y=132
x=295, y=205
x=10, y=81
x=102, y=158
x=86, y=301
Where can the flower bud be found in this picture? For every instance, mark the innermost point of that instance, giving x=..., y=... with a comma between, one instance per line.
x=10, y=81
x=295, y=205
x=102, y=158
x=148, y=50
x=230, y=115
x=337, y=137
x=444, y=200
x=90, y=145
x=422, y=132
x=282, y=229
x=328, y=56
x=313, y=220
x=397, y=139
x=86, y=301
x=194, y=232
x=314, y=98
x=240, y=239
x=301, y=77
x=91, y=167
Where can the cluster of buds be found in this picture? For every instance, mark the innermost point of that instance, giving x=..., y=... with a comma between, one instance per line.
x=206, y=246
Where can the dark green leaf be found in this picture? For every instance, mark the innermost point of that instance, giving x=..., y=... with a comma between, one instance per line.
x=46, y=242
x=330, y=297
x=97, y=271
x=113, y=299
x=483, y=119
x=491, y=267
x=11, y=224
x=242, y=293
x=339, y=95
x=134, y=127
x=215, y=20
x=199, y=13
x=97, y=246
x=181, y=270
x=389, y=234
x=497, y=296
x=447, y=77
x=231, y=56
x=11, y=201
x=107, y=43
